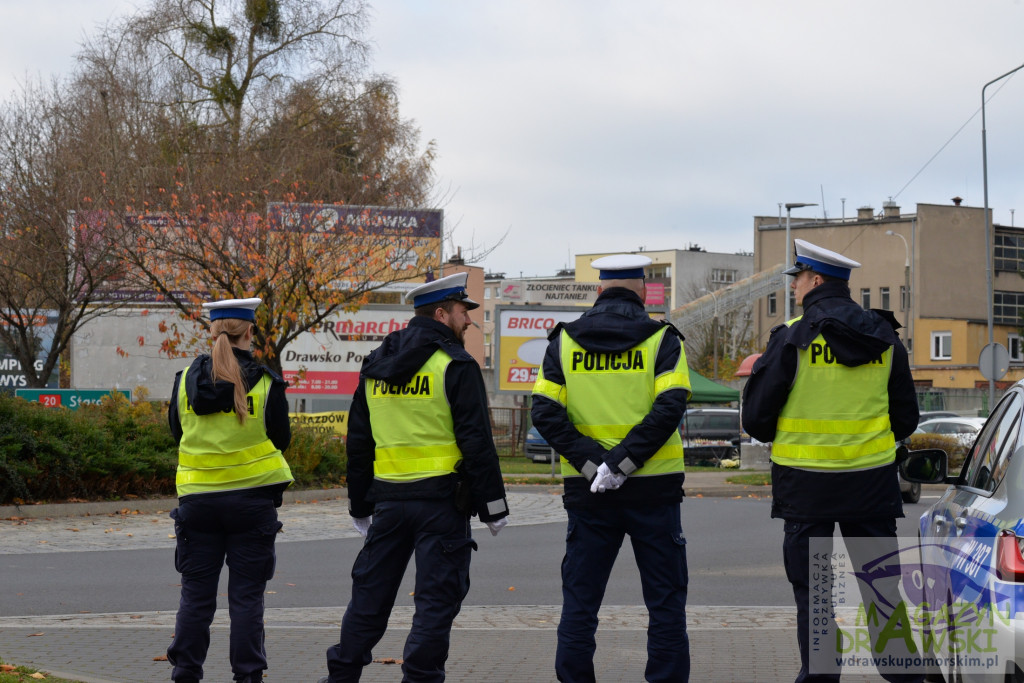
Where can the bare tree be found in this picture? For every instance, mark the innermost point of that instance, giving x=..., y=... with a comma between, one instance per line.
x=218, y=62
x=218, y=110
x=56, y=273
x=716, y=346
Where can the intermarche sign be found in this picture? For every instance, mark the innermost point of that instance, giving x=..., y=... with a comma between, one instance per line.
x=69, y=398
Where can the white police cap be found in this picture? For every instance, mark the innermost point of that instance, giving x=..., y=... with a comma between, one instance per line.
x=449, y=288
x=820, y=260
x=241, y=309
x=621, y=266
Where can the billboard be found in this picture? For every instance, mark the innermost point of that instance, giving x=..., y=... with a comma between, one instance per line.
x=12, y=376
x=522, y=333
x=406, y=239
x=326, y=360
x=555, y=292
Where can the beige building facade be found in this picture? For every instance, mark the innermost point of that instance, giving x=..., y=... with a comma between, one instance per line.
x=945, y=311
x=677, y=276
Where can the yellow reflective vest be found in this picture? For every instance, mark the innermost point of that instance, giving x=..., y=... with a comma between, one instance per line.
x=216, y=453
x=412, y=425
x=607, y=394
x=836, y=416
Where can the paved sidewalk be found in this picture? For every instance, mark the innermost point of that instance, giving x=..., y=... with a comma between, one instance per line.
x=489, y=643
x=698, y=484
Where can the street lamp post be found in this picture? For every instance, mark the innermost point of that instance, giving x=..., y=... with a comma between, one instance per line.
x=785, y=291
x=906, y=288
x=988, y=233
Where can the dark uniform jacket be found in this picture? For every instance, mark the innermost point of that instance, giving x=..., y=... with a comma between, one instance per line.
x=208, y=397
x=856, y=336
x=617, y=322
x=395, y=361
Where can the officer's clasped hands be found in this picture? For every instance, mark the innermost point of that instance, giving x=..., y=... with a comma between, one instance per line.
x=362, y=524
x=606, y=480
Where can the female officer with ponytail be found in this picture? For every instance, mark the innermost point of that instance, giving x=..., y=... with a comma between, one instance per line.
x=230, y=417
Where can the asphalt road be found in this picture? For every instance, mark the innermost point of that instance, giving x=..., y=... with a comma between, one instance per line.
x=733, y=546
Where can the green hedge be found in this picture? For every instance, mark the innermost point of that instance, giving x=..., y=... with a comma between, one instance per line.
x=118, y=450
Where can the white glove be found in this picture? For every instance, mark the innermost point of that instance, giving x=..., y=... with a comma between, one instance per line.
x=497, y=525
x=362, y=524
x=614, y=481
x=606, y=480
x=598, y=485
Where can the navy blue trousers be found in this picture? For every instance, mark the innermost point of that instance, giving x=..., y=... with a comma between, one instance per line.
x=211, y=529
x=439, y=536
x=593, y=539
x=796, y=557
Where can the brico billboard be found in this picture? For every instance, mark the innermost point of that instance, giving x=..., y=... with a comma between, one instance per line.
x=522, y=339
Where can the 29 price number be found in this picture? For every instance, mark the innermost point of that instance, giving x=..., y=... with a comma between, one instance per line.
x=522, y=375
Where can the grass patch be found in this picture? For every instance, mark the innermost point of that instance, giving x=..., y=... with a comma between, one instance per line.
x=752, y=479
x=537, y=481
x=21, y=674
x=520, y=465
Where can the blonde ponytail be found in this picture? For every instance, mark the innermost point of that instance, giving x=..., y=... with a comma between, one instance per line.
x=227, y=332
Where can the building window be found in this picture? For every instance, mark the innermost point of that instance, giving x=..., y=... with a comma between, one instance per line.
x=487, y=316
x=1009, y=252
x=904, y=305
x=942, y=345
x=792, y=301
x=1007, y=308
x=497, y=292
x=883, y=298
x=1014, y=346
x=773, y=308
x=865, y=297
x=723, y=276
x=487, y=293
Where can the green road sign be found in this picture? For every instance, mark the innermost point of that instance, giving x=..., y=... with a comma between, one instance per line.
x=69, y=398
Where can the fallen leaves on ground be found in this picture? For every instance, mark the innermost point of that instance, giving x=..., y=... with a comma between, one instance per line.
x=387, y=660
x=160, y=658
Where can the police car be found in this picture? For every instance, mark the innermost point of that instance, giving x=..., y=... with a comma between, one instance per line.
x=967, y=587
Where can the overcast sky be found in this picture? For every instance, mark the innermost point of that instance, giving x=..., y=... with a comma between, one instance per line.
x=583, y=126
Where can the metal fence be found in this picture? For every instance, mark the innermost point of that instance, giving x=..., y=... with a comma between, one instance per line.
x=966, y=402
x=509, y=426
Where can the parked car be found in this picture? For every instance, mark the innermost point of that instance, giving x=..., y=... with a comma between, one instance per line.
x=926, y=415
x=964, y=429
x=970, y=550
x=537, y=448
x=710, y=424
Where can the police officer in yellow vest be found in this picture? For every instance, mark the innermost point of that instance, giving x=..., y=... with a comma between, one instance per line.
x=609, y=398
x=419, y=433
x=833, y=393
x=230, y=417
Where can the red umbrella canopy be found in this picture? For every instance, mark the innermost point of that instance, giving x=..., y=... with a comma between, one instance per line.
x=747, y=365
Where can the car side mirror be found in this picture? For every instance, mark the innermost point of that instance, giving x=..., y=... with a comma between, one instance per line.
x=926, y=466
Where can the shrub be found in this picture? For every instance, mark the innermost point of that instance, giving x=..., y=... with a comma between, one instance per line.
x=316, y=459
x=111, y=450
x=118, y=450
